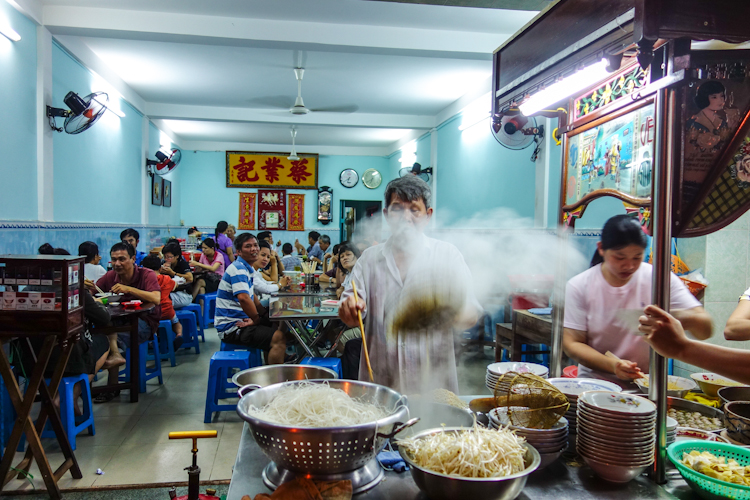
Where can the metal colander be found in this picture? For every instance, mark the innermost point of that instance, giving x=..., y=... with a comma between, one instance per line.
x=326, y=450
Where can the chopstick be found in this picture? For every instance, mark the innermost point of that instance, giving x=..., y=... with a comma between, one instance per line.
x=612, y=355
x=362, y=329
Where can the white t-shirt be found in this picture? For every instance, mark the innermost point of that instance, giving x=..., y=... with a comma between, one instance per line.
x=93, y=272
x=592, y=305
x=262, y=286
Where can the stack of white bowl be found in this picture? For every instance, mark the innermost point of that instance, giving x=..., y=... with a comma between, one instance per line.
x=572, y=387
x=616, y=434
x=496, y=370
x=550, y=443
x=671, y=430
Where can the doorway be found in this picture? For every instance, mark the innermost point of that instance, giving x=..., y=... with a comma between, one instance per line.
x=352, y=213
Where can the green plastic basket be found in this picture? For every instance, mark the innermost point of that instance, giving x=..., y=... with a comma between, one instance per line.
x=708, y=487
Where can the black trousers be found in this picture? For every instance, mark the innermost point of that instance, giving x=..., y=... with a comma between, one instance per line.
x=350, y=359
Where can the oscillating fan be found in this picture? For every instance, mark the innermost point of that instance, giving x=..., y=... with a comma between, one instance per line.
x=83, y=112
x=516, y=132
x=416, y=169
x=164, y=163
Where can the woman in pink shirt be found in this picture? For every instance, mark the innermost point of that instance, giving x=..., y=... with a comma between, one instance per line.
x=619, y=280
x=211, y=263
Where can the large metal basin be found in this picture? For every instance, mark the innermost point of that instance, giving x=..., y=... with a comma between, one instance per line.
x=264, y=376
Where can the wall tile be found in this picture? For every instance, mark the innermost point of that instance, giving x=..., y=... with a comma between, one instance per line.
x=693, y=251
x=726, y=265
x=741, y=224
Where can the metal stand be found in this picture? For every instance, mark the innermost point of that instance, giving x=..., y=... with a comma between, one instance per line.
x=362, y=479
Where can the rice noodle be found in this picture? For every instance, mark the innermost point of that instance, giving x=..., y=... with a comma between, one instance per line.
x=477, y=453
x=316, y=405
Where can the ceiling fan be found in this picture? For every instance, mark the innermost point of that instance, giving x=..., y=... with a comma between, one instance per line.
x=293, y=156
x=299, y=108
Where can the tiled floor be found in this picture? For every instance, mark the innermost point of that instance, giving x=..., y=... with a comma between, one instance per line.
x=131, y=444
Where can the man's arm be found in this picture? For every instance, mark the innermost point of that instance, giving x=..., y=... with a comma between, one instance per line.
x=696, y=321
x=248, y=306
x=152, y=297
x=738, y=324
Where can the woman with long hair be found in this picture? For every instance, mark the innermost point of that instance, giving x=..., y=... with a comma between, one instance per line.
x=223, y=243
x=618, y=280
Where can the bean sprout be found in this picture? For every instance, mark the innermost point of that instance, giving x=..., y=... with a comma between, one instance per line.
x=316, y=405
x=478, y=453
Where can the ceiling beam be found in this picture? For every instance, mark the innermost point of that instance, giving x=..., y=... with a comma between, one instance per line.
x=276, y=148
x=224, y=114
x=190, y=28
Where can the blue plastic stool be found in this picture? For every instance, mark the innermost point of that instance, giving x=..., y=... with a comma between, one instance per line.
x=209, y=307
x=195, y=309
x=73, y=425
x=189, y=330
x=256, y=356
x=146, y=373
x=332, y=363
x=218, y=373
x=165, y=337
x=7, y=415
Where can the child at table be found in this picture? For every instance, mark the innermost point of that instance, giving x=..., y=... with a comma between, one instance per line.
x=167, y=286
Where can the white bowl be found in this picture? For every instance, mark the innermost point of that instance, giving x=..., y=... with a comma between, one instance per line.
x=639, y=437
x=573, y=387
x=517, y=366
x=617, y=403
x=619, y=457
x=710, y=383
x=611, y=459
x=614, y=473
x=596, y=414
x=684, y=385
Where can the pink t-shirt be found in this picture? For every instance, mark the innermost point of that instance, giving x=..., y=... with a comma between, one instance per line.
x=592, y=305
x=217, y=257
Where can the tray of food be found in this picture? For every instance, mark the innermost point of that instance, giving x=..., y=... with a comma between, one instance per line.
x=695, y=415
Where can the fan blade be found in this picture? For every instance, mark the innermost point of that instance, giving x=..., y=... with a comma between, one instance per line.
x=272, y=101
x=95, y=109
x=348, y=108
x=176, y=156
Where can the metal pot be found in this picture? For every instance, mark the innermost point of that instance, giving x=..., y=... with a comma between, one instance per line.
x=262, y=376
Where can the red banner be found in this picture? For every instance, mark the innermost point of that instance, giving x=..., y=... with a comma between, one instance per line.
x=272, y=209
x=247, y=211
x=296, y=212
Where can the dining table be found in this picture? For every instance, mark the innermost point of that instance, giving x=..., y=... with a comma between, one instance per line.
x=299, y=311
x=127, y=322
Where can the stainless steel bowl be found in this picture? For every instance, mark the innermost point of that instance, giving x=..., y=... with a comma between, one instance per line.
x=442, y=487
x=433, y=415
x=326, y=450
x=263, y=376
x=734, y=393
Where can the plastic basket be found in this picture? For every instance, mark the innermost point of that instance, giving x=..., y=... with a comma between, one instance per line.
x=694, y=286
x=705, y=486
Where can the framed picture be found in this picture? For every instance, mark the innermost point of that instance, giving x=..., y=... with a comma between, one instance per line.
x=167, y=193
x=157, y=185
x=247, y=169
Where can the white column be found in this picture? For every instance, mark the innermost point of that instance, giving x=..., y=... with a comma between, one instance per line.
x=145, y=179
x=433, y=164
x=44, y=133
x=542, y=179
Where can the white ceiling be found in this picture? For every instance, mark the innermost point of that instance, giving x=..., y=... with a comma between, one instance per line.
x=218, y=74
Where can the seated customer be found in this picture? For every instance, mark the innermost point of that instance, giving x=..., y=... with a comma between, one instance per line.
x=324, y=242
x=136, y=283
x=266, y=259
x=289, y=260
x=175, y=265
x=238, y=310
x=209, y=268
x=167, y=285
x=132, y=237
x=91, y=270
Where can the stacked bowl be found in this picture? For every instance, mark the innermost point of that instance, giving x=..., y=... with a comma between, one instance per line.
x=572, y=387
x=616, y=434
x=550, y=443
x=671, y=430
x=497, y=370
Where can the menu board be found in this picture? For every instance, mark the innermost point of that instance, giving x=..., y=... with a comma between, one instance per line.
x=616, y=155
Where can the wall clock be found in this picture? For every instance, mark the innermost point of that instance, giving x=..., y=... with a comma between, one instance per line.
x=371, y=178
x=349, y=178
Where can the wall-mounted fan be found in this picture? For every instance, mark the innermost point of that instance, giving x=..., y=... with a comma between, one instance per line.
x=83, y=112
x=166, y=161
x=416, y=169
x=516, y=132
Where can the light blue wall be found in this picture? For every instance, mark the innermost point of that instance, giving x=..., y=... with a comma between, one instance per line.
x=476, y=174
x=160, y=214
x=206, y=199
x=19, y=117
x=97, y=174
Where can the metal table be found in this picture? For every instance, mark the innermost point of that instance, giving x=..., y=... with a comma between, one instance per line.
x=295, y=311
x=559, y=481
x=296, y=291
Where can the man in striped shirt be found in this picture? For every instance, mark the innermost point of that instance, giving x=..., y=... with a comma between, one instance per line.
x=240, y=318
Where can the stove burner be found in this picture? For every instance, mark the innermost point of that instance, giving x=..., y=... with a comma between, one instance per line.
x=362, y=479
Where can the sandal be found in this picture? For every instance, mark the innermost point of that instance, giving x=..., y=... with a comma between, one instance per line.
x=105, y=397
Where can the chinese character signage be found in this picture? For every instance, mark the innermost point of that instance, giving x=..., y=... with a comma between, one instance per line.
x=247, y=212
x=296, y=212
x=272, y=209
x=271, y=170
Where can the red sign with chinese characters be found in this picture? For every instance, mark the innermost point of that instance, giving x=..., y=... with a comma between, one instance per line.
x=271, y=170
x=272, y=209
x=296, y=212
x=247, y=211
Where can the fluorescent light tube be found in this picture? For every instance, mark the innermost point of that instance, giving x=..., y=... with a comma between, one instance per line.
x=117, y=112
x=469, y=125
x=10, y=33
x=565, y=88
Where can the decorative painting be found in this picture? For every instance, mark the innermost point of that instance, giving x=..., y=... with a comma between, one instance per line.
x=714, y=107
x=620, y=86
x=166, y=196
x=612, y=157
x=156, y=189
x=272, y=209
x=247, y=212
x=296, y=212
x=271, y=170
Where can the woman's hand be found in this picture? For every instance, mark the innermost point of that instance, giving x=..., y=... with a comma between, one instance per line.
x=627, y=370
x=165, y=269
x=285, y=281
